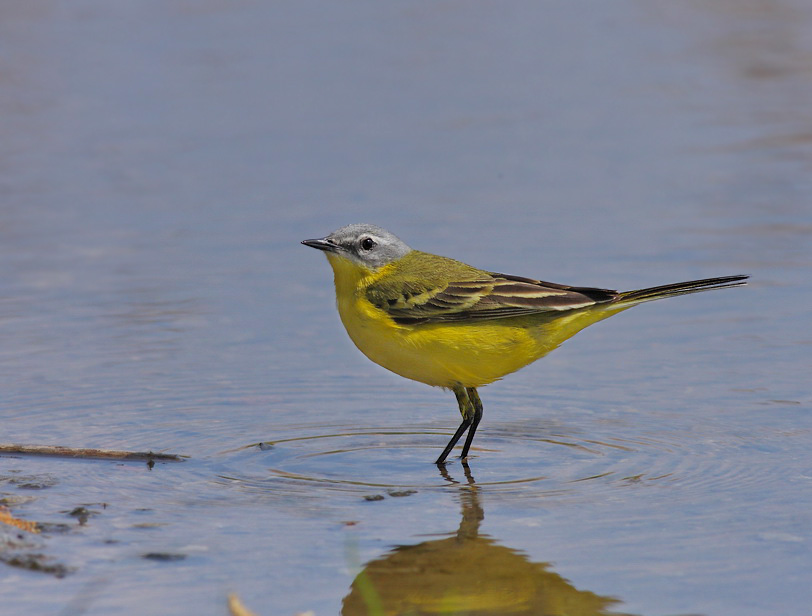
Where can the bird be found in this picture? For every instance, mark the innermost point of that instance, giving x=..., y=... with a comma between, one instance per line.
x=441, y=322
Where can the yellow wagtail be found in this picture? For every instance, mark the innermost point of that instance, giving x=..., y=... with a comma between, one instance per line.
x=447, y=324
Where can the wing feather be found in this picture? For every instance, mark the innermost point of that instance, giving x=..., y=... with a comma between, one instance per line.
x=479, y=296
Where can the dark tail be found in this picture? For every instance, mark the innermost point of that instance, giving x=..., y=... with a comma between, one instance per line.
x=680, y=288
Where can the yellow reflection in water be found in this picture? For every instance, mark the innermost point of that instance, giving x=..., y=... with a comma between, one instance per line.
x=466, y=574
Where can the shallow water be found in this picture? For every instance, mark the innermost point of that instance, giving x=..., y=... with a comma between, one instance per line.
x=160, y=163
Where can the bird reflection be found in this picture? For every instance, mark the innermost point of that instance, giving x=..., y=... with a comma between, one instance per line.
x=466, y=574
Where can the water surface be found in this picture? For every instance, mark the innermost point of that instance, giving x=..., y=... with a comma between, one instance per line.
x=161, y=161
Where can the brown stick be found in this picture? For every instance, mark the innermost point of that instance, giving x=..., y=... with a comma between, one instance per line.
x=7, y=518
x=82, y=452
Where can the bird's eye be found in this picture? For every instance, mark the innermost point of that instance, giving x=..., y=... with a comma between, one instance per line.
x=367, y=243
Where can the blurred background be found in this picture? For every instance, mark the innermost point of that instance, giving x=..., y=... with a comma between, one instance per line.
x=161, y=161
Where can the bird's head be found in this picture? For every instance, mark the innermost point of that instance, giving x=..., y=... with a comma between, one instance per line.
x=363, y=245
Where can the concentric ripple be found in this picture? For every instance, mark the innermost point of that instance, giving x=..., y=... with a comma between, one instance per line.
x=519, y=459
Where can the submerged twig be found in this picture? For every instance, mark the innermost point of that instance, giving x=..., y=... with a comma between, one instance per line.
x=7, y=518
x=89, y=453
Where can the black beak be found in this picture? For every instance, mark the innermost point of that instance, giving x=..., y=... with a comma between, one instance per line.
x=321, y=244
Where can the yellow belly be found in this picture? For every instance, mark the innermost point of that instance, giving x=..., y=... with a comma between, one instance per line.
x=441, y=355
x=447, y=354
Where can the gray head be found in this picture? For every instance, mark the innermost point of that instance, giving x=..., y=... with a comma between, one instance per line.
x=365, y=244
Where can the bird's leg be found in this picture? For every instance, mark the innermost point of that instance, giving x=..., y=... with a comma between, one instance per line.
x=476, y=403
x=468, y=412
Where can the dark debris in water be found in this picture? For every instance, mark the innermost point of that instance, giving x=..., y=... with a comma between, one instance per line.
x=53, y=527
x=392, y=493
x=22, y=548
x=35, y=562
x=400, y=493
x=166, y=557
x=14, y=500
x=84, y=512
x=29, y=482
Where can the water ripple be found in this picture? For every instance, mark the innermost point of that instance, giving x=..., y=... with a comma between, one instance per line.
x=510, y=459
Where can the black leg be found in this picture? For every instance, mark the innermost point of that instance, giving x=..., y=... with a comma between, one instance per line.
x=471, y=411
x=460, y=431
x=473, y=396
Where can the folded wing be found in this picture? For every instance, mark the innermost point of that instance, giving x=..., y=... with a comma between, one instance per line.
x=487, y=296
